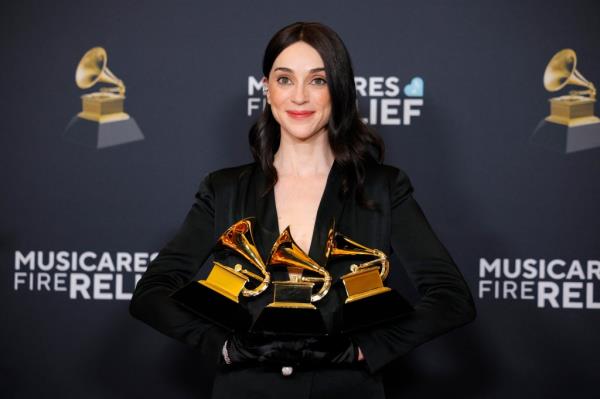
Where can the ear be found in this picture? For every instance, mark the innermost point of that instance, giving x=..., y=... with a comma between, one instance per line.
x=265, y=83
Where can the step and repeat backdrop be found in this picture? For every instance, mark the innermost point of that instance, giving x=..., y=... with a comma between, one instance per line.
x=488, y=106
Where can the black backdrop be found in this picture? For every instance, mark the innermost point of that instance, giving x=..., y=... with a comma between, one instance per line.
x=490, y=195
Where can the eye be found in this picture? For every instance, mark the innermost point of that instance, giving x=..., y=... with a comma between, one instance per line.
x=319, y=81
x=284, y=80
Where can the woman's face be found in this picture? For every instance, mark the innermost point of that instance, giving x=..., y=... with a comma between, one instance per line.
x=297, y=92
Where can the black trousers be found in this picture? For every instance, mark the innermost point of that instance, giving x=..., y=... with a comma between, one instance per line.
x=268, y=382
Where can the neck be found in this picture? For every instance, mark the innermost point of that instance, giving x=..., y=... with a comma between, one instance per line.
x=304, y=157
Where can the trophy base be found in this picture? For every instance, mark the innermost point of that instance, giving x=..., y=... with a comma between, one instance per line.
x=572, y=110
x=291, y=305
x=289, y=321
x=366, y=294
x=96, y=134
x=363, y=283
x=373, y=310
x=103, y=107
x=566, y=138
x=213, y=306
x=226, y=281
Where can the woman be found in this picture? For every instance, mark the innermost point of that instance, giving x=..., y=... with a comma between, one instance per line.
x=315, y=161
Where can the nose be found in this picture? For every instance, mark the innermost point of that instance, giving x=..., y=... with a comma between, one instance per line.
x=299, y=96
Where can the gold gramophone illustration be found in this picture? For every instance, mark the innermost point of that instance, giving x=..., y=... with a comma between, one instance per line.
x=105, y=105
x=217, y=297
x=571, y=125
x=292, y=310
x=102, y=121
x=576, y=108
x=368, y=301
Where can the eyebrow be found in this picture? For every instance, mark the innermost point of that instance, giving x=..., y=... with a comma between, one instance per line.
x=284, y=69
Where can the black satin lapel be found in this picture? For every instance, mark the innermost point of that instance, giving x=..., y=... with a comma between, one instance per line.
x=330, y=209
x=266, y=229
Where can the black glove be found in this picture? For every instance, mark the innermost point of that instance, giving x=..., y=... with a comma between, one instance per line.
x=249, y=348
x=336, y=349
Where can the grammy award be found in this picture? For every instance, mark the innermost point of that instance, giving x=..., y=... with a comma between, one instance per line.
x=292, y=311
x=217, y=297
x=102, y=121
x=368, y=301
x=571, y=125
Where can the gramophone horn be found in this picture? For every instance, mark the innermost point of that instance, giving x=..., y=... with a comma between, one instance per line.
x=285, y=251
x=239, y=238
x=340, y=245
x=562, y=70
x=93, y=69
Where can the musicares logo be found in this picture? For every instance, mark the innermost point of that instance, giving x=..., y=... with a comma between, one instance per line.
x=546, y=283
x=80, y=275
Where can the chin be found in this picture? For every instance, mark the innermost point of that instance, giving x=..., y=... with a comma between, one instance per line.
x=302, y=132
x=302, y=135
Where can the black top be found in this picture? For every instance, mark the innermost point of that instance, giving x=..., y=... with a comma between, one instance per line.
x=228, y=195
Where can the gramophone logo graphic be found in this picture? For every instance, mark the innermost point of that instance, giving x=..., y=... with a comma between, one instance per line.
x=571, y=125
x=102, y=122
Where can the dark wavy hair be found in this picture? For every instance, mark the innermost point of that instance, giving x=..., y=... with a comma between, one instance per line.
x=354, y=145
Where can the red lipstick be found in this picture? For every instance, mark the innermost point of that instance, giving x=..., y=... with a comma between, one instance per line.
x=300, y=114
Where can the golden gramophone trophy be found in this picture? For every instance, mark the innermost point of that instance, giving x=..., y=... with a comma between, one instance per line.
x=292, y=311
x=217, y=297
x=368, y=301
x=571, y=125
x=102, y=121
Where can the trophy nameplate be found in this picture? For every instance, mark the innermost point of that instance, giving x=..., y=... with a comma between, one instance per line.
x=292, y=294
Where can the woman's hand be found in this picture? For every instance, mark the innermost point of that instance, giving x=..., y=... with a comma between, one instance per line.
x=251, y=348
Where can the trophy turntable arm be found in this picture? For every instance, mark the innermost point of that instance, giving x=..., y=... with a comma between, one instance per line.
x=253, y=275
x=446, y=301
x=175, y=265
x=588, y=93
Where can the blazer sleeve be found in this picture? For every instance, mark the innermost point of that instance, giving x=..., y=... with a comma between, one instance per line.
x=446, y=301
x=176, y=265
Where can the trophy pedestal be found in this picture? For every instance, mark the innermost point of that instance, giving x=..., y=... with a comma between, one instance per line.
x=291, y=312
x=216, y=298
x=289, y=321
x=566, y=138
x=213, y=306
x=374, y=309
x=98, y=135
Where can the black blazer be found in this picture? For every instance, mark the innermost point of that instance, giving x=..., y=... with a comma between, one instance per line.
x=398, y=225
